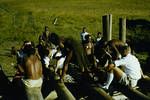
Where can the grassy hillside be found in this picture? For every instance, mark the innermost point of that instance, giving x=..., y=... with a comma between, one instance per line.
x=25, y=19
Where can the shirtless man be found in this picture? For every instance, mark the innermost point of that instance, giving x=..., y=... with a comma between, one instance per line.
x=113, y=47
x=72, y=51
x=89, y=50
x=32, y=71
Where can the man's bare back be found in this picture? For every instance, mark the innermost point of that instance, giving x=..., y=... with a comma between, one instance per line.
x=32, y=67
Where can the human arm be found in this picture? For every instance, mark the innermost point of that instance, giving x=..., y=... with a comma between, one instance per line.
x=66, y=62
x=142, y=74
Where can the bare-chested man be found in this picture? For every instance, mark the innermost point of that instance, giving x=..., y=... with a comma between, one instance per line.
x=89, y=50
x=114, y=47
x=73, y=52
x=32, y=73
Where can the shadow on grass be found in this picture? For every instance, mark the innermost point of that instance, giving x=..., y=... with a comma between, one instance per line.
x=139, y=30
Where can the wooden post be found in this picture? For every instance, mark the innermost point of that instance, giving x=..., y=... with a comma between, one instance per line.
x=107, y=27
x=110, y=27
x=122, y=29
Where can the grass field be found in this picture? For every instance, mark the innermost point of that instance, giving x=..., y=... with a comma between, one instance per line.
x=25, y=19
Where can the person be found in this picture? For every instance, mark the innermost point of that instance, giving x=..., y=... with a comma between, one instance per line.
x=32, y=73
x=13, y=50
x=132, y=70
x=105, y=50
x=98, y=37
x=60, y=58
x=44, y=36
x=73, y=53
x=21, y=54
x=83, y=34
x=113, y=47
x=89, y=50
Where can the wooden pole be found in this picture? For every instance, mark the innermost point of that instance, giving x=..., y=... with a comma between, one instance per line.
x=131, y=93
x=144, y=84
x=107, y=27
x=61, y=90
x=110, y=27
x=122, y=29
x=95, y=92
x=101, y=94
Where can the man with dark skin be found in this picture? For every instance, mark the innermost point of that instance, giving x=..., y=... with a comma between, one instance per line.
x=32, y=73
x=89, y=51
x=74, y=54
x=73, y=51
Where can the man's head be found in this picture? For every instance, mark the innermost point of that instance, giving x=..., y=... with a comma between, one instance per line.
x=84, y=29
x=46, y=28
x=54, y=38
x=28, y=48
x=125, y=50
x=99, y=34
x=88, y=38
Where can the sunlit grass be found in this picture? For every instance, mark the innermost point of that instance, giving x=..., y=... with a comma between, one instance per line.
x=24, y=19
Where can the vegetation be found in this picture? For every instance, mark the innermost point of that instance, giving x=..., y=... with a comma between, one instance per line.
x=25, y=19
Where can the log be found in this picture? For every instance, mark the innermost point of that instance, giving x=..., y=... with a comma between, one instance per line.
x=95, y=92
x=132, y=93
x=61, y=90
x=144, y=84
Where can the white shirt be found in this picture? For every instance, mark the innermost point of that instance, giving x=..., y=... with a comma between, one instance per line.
x=46, y=61
x=60, y=62
x=98, y=39
x=132, y=66
x=83, y=34
x=52, y=52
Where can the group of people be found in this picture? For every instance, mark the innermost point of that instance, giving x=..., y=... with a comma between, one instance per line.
x=120, y=63
x=33, y=62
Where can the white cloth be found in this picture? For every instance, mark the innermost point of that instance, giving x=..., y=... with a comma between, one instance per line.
x=132, y=66
x=98, y=39
x=58, y=54
x=46, y=61
x=68, y=79
x=83, y=35
x=60, y=62
x=126, y=80
x=52, y=52
x=33, y=83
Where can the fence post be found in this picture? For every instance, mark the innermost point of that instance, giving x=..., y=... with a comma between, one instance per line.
x=122, y=29
x=107, y=27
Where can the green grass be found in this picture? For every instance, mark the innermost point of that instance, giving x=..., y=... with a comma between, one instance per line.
x=25, y=19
